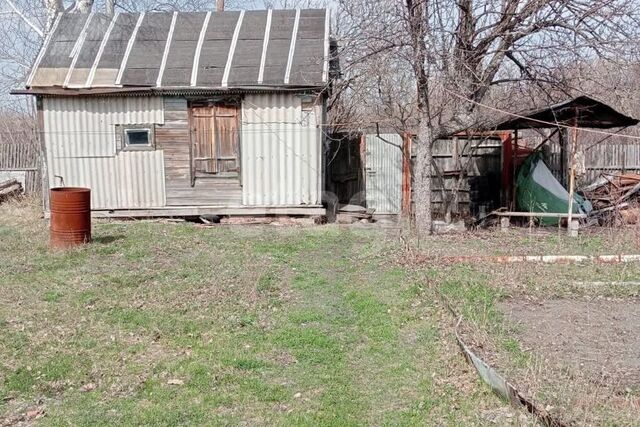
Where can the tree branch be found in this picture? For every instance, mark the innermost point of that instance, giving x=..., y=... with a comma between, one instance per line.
x=25, y=19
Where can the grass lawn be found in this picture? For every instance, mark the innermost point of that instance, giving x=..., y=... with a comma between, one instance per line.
x=160, y=323
x=168, y=324
x=591, y=380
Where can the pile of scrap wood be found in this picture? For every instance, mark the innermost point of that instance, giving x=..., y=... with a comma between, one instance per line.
x=615, y=198
x=10, y=188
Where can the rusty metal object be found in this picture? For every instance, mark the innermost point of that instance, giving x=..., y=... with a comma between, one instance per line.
x=499, y=384
x=615, y=198
x=70, y=216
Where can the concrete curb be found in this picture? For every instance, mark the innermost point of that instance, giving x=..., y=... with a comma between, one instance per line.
x=544, y=259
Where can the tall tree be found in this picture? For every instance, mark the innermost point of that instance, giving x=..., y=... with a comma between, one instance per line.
x=461, y=52
x=110, y=7
x=53, y=7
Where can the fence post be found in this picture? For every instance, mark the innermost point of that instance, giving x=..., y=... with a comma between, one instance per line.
x=40, y=138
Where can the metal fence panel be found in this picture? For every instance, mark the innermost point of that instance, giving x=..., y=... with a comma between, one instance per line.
x=384, y=173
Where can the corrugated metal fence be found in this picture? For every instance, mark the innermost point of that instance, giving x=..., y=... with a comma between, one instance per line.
x=384, y=172
x=20, y=159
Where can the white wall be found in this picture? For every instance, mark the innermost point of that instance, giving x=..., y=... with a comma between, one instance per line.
x=281, y=151
x=81, y=149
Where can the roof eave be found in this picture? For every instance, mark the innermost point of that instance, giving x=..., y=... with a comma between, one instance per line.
x=536, y=118
x=149, y=91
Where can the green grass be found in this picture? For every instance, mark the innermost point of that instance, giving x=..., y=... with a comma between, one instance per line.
x=179, y=325
x=326, y=326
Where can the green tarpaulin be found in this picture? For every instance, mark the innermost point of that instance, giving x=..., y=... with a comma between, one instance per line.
x=537, y=190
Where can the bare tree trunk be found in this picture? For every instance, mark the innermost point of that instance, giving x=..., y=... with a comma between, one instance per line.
x=423, y=173
x=53, y=8
x=110, y=6
x=417, y=27
x=220, y=5
x=83, y=6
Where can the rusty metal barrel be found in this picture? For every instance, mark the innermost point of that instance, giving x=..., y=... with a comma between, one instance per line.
x=70, y=216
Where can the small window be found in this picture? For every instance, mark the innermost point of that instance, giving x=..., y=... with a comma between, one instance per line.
x=137, y=137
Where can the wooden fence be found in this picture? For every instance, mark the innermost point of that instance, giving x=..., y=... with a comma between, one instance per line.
x=611, y=157
x=20, y=158
x=467, y=176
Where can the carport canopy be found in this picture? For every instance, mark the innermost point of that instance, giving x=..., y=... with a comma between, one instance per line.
x=580, y=112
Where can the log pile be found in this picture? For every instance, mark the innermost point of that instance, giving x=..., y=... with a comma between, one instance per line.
x=615, y=198
x=10, y=188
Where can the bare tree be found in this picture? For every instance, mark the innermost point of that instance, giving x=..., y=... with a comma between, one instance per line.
x=82, y=6
x=53, y=7
x=462, y=52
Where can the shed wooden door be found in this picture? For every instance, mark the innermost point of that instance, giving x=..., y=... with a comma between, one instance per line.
x=216, y=140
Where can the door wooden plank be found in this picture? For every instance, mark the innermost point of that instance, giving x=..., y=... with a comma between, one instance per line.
x=204, y=153
x=216, y=140
x=226, y=127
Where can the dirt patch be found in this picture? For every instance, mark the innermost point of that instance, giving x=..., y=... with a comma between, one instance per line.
x=598, y=338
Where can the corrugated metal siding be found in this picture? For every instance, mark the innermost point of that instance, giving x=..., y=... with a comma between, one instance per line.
x=281, y=156
x=85, y=127
x=81, y=150
x=141, y=178
x=384, y=173
x=97, y=173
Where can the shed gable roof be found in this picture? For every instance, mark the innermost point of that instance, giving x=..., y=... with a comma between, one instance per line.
x=212, y=50
x=583, y=112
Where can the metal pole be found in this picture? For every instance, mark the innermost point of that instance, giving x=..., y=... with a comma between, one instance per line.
x=514, y=159
x=572, y=176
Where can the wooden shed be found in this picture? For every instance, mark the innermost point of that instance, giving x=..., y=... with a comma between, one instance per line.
x=180, y=114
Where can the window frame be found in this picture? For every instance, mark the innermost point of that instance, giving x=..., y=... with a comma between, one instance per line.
x=124, y=131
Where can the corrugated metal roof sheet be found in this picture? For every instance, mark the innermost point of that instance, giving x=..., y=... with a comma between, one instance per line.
x=197, y=49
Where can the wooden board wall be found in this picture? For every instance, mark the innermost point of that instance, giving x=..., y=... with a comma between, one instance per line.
x=479, y=188
x=22, y=156
x=174, y=139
